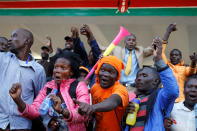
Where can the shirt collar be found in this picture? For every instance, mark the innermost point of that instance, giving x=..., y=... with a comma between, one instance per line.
x=179, y=64
x=28, y=64
x=136, y=48
x=127, y=51
x=181, y=106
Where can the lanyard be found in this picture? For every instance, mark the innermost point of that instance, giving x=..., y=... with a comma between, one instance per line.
x=28, y=59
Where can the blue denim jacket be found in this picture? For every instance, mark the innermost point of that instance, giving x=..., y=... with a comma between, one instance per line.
x=164, y=101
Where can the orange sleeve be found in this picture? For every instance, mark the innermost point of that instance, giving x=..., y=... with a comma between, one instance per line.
x=190, y=71
x=92, y=90
x=123, y=93
x=163, y=55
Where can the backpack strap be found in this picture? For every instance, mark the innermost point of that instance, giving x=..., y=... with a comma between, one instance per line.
x=48, y=90
x=72, y=89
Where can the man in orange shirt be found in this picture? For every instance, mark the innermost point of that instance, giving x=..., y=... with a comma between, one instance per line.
x=176, y=63
x=109, y=97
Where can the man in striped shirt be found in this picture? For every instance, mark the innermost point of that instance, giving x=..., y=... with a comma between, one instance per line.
x=156, y=103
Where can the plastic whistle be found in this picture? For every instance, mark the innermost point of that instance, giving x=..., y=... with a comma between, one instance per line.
x=122, y=33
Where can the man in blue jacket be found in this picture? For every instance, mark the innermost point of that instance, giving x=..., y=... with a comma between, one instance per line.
x=156, y=103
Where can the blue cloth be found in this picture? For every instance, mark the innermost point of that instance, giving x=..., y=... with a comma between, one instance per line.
x=32, y=78
x=164, y=101
x=80, y=50
x=130, y=79
x=96, y=53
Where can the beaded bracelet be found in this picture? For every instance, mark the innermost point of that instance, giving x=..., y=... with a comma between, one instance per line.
x=164, y=41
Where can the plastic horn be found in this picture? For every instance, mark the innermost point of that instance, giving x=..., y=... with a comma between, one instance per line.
x=122, y=33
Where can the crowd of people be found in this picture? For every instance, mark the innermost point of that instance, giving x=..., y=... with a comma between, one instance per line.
x=167, y=90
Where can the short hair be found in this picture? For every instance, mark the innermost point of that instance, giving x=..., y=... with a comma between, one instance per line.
x=4, y=38
x=29, y=35
x=154, y=72
x=131, y=34
x=177, y=51
x=189, y=78
x=73, y=58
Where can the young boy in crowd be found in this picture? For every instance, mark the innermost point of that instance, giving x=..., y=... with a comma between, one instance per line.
x=83, y=72
x=182, y=117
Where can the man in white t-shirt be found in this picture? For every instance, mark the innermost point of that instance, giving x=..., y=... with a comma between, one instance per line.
x=183, y=115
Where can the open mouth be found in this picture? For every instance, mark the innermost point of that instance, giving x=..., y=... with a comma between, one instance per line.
x=104, y=81
x=192, y=97
x=4, y=48
x=57, y=78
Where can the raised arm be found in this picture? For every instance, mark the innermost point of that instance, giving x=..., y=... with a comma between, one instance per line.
x=49, y=44
x=171, y=28
x=170, y=90
x=163, y=53
x=85, y=30
x=78, y=46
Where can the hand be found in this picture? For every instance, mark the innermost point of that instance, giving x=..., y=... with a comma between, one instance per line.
x=75, y=32
x=49, y=41
x=101, y=56
x=84, y=30
x=84, y=108
x=48, y=37
x=54, y=125
x=49, y=44
x=157, y=44
x=168, y=123
x=56, y=103
x=172, y=27
x=15, y=91
x=130, y=108
x=193, y=57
